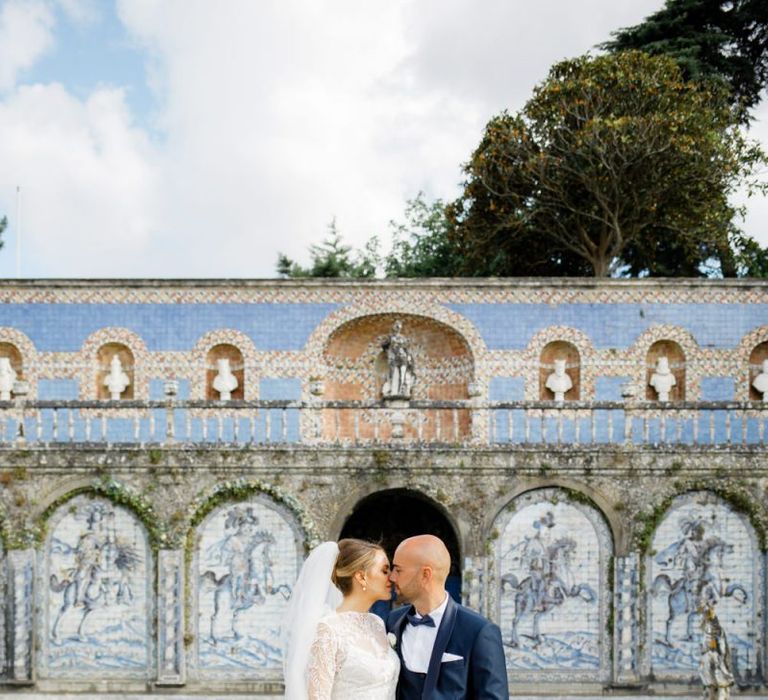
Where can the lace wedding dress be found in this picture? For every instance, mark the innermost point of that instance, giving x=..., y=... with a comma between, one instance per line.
x=351, y=658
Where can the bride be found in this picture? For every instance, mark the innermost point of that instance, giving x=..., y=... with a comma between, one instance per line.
x=334, y=649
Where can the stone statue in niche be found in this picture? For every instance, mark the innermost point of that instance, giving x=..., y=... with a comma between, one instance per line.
x=559, y=382
x=662, y=379
x=760, y=382
x=400, y=368
x=7, y=378
x=715, y=662
x=224, y=382
x=117, y=380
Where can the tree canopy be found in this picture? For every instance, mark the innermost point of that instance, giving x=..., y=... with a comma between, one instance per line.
x=332, y=258
x=724, y=39
x=616, y=160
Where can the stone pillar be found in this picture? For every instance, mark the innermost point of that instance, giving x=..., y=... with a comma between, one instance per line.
x=626, y=620
x=20, y=606
x=472, y=581
x=171, y=666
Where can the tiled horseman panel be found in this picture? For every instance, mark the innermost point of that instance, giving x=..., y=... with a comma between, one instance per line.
x=550, y=567
x=704, y=552
x=246, y=561
x=96, y=588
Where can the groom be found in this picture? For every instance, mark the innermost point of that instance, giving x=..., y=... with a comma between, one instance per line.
x=447, y=652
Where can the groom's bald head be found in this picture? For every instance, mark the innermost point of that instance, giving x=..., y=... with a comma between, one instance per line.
x=427, y=550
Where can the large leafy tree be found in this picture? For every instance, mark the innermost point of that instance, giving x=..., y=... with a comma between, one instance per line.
x=726, y=39
x=615, y=161
x=422, y=245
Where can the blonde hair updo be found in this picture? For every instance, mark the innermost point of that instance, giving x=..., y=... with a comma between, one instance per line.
x=354, y=555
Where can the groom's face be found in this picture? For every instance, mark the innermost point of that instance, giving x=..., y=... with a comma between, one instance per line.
x=406, y=575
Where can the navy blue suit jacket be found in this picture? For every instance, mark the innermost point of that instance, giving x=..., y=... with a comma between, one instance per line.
x=482, y=672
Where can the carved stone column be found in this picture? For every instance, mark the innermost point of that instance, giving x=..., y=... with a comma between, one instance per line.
x=626, y=620
x=472, y=582
x=171, y=666
x=20, y=604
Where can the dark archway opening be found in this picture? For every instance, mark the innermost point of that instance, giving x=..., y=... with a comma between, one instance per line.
x=390, y=516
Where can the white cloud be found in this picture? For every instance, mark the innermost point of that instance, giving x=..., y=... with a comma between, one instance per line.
x=275, y=116
x=26, y=28
x=87, y=180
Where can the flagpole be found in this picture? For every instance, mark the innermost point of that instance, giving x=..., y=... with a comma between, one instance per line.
x=18, y=231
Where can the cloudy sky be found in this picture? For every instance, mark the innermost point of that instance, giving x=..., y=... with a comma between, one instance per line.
x=197, y=138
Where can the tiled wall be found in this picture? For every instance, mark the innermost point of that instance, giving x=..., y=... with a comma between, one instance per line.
x=283, y=332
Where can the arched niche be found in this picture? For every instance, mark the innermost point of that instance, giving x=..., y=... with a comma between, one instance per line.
x=703, y=550
x=391, y=516
x=676, y=357
x=247, y=558
x=355, y=369
x=224, y=351
x=10, y=351
x=756, y=358
x=560, y=350
x=96, y=588
x=550, y=587
x=104, y=356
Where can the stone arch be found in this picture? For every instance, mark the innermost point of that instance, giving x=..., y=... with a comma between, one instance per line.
x=390, y=515
x=354, y=367
x=391, y=305
x=574, y=491
x=247, y=548
x=550, y=584
x=249, y=359
x=702, y=550
x=580, y=352
x=748, y=358
x=568, y=353
x=96, y=583
x=23, y=354
x=674, y=355
x=115, y=492
x=640, y=356
x=117, y=340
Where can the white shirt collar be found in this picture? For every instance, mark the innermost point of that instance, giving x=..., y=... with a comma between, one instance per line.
x=438, y=612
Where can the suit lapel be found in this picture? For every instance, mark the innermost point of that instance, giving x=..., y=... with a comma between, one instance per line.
x=398, y=629
x=441, y=642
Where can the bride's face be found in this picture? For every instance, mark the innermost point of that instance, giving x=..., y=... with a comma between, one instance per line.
x=377, y=577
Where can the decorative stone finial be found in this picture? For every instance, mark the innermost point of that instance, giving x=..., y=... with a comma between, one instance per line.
x=761, y=381
x=559, y=382
x=116, y=381
x=662, y=380
x=224, y=382
x=7, y=378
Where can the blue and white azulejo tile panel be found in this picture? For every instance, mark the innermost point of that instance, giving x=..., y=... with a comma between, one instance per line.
x=96, y=591
x=551, y=563
x=247, y=560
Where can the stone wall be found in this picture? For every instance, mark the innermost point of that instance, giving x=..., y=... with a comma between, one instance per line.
x=131, y=564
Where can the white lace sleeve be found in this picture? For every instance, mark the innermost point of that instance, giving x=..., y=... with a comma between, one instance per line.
x=323, y=662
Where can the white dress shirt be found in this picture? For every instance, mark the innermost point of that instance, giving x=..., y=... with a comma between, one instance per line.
x=418, y=642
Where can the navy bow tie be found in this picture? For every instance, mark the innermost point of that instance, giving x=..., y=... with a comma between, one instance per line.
x=416, y=621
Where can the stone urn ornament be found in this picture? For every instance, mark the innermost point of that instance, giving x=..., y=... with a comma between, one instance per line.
x=7, y=378
x=117, y=380
x=662, y=379
x=559, y=382
x=760, y=382
x=224, y=382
